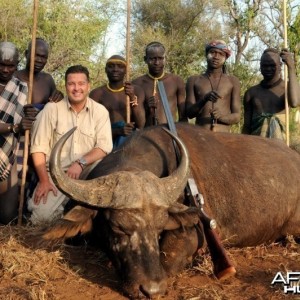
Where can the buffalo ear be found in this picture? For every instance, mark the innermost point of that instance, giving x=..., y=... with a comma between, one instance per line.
x=77, y=220
x=181, y=216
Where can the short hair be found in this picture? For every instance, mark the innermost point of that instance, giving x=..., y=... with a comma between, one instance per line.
x=8, y=51
x=77, y=69
x=37, y=40
x=272, y=50
x=269, y=51
x=154, y=45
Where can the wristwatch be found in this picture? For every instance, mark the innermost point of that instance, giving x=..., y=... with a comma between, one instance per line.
x=82, y=162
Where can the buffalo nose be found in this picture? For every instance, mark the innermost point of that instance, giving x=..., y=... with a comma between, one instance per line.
x=154, y=288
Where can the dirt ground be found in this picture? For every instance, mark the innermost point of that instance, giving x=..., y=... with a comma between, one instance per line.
x=29, y=271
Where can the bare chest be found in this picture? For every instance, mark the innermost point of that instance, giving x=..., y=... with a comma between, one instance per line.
x=268, y=100
x=204, y=85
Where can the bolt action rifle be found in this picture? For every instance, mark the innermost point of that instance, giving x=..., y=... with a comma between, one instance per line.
x=222, y=266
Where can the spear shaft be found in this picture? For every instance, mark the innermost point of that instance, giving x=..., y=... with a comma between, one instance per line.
x=29, y=101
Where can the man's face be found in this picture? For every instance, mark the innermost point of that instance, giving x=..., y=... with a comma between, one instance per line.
x=215, y=58
x=270, y=65
x=7, y=69
x=115, y=71
x=155, y=59
x=77, y=88
x=41, y=56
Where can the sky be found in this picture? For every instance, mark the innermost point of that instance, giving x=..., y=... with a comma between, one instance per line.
x=116, y=35
x=115, y=41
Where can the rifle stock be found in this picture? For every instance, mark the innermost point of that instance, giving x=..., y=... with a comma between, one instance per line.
x=222, y=266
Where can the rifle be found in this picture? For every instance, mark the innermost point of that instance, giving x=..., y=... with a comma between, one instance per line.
x=222, y=267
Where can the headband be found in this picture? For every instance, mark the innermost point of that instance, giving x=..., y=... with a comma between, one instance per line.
x=218, y=45
x=116, y=60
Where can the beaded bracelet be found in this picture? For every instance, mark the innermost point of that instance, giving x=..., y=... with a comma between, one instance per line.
x=134, y=102
x=15, y=128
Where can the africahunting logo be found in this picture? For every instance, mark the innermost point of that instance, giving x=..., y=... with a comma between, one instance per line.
x=290, y=282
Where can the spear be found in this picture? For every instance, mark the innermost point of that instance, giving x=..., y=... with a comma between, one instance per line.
x=128, y=58
x=287, y=120
x=29, y=100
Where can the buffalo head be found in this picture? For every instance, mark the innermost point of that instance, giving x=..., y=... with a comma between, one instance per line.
x=133, y=209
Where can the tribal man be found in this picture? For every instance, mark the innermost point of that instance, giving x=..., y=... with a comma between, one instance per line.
x=15, y=118
x=264, y=104
x=44, y=91
x=213, y=98
x=113, y=96
x=174, y=86
x=44, y=86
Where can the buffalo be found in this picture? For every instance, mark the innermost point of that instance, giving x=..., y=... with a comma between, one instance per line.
x=133, y=198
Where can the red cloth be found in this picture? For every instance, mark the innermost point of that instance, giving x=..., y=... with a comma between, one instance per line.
x=218, y=44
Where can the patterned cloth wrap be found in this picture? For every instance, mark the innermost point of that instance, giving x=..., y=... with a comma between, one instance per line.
x=12, y=100
x=269, y=125
x=218, y=44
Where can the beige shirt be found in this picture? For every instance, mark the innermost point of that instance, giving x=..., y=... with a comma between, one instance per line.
x=93, y=130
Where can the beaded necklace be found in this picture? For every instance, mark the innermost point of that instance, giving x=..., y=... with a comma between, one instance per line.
x=155, y=81
x=114, y=91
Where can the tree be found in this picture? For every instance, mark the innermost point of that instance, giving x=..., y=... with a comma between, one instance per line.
x=73, y=30
x=271, y=18
x=15, y=21
x=294, y=40
x=241, y=23
x=182, y=26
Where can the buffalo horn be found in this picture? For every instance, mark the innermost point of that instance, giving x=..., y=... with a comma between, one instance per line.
x=176, y=182
x=100, y=192
x=80, y=190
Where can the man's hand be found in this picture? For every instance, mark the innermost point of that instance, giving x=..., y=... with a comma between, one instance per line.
x=212, y=96
x=129, y=89
x=74, y=170
x=30, y=111
x=128, y=128
x=56, y=96
x=26, y=124
x=42, y=190
x=125, y=130
x=215, y=114
x=152, y=102
x=287, y=57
